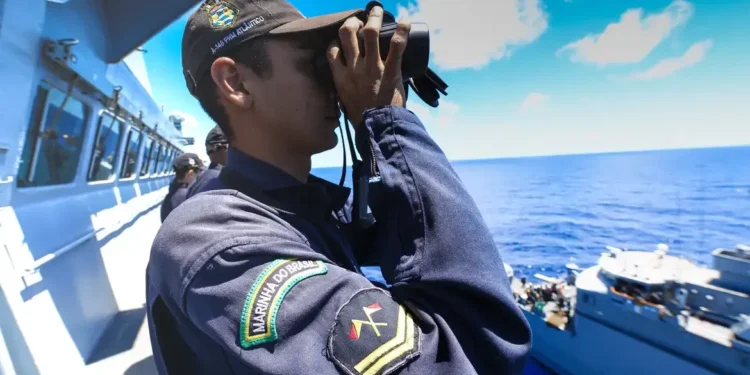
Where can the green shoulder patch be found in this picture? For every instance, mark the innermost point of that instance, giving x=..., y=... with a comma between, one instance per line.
x=373, y=335
x=258, y=323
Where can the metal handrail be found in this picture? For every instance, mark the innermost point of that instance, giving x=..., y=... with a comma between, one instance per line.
x=34, y=268
x=39, y=263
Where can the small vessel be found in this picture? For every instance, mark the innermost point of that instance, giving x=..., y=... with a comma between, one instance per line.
x=642, y=312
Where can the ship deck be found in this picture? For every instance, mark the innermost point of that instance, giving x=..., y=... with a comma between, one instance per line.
x=125, y=347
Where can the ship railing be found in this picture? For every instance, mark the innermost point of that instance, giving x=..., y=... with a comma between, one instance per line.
x=35, y=266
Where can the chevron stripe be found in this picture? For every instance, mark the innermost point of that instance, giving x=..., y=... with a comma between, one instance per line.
x=400, y=344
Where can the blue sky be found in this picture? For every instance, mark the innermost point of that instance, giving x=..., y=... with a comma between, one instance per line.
x=535, y=77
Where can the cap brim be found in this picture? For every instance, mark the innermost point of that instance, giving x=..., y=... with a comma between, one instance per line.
x=316, y=23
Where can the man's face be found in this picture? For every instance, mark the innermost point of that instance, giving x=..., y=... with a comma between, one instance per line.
x=292, y=102
x=191, y=175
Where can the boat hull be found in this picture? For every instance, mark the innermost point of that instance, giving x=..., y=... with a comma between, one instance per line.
x=596, y=349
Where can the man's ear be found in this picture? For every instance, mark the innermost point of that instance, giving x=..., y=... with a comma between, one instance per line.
x=228, y=77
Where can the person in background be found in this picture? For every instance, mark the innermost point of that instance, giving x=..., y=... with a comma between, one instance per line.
x=187, y=168
x=216, y=148
x=258, y=276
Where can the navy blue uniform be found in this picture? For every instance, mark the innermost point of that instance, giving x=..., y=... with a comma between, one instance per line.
x=204, y=178
x=267, y=280
x=175, y=196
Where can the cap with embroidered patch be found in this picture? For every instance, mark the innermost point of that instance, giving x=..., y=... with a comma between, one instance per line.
x=217, y=26
x=187, y=160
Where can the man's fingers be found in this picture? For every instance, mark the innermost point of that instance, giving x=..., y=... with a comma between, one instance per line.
x=333, y=54
x=371, y=33
x=348, y=37
x=392, y=72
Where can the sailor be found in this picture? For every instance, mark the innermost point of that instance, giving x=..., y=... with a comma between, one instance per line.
x=258, y=276
x=187, y=167
x=216, y=148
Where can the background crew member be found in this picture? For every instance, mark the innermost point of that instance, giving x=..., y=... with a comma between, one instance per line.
x=257, y=276
x=216, y=148
x=187, y=167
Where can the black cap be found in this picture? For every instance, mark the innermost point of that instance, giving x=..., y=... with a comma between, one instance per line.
x=215, y=140
x=220, y=25
x=187, y=160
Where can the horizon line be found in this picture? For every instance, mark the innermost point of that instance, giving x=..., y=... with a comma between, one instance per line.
x=530, y=156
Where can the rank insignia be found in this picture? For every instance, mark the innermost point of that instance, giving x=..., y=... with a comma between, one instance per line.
x=258, y=323
x=373, y=334
x=220, y=13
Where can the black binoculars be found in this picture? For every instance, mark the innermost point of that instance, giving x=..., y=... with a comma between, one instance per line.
x=414, y=66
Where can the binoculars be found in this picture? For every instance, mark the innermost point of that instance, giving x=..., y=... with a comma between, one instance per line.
x=414, y=65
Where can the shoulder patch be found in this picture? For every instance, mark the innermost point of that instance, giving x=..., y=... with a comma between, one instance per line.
x=258, y=322
x=373, y=334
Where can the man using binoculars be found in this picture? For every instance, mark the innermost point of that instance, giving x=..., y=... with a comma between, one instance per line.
x=260, y=273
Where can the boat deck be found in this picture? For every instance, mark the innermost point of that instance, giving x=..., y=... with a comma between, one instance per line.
x=125, y=347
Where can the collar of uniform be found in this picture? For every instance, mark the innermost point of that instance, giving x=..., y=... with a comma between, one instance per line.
x=261, y=174
x=316, y=197
x=215, y=166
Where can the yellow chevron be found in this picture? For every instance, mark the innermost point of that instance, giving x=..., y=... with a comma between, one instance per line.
x=388, y=345
x=396, y=352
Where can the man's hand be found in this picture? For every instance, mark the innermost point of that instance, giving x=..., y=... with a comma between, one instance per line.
x=362, y=79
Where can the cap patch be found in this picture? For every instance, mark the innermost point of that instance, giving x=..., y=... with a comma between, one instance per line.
x=221, y=14
x=258, y=323
x=373, y=334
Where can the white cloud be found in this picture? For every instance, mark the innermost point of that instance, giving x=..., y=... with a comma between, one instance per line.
x=444, y=115
x=472, y=33
x=534, y=101
x=695, y=54
x=631, y=39
x=191, y=128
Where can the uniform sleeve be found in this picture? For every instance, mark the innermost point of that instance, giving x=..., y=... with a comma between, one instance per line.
x=435, y=248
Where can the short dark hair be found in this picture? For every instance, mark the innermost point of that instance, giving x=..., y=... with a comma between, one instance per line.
x=252, y=54
x=182, y=172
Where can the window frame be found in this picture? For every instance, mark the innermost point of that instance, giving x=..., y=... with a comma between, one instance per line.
x=37, y=119
x=146, y=159
x=117, y=164
x=138, y=159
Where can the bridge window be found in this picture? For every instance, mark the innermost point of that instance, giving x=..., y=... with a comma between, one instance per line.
x=104, y=155
x=54, y=139
x=163, y=158
x=170, y=169
x=146, y=157
x=132, y=145
x=155, y=157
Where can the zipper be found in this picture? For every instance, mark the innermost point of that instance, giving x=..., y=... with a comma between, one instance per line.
x=374, y=172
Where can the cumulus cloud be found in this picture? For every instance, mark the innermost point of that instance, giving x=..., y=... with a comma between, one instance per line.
x=695, y=54
x=444, y=115
x=534, y=101
x=473, y=33
x=631, y=39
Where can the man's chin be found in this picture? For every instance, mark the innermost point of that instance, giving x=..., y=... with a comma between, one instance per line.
x=328, y=143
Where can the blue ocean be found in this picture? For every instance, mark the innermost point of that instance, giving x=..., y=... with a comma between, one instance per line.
x=545, y=212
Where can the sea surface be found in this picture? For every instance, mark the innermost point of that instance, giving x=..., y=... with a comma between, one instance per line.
x=545, y=212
